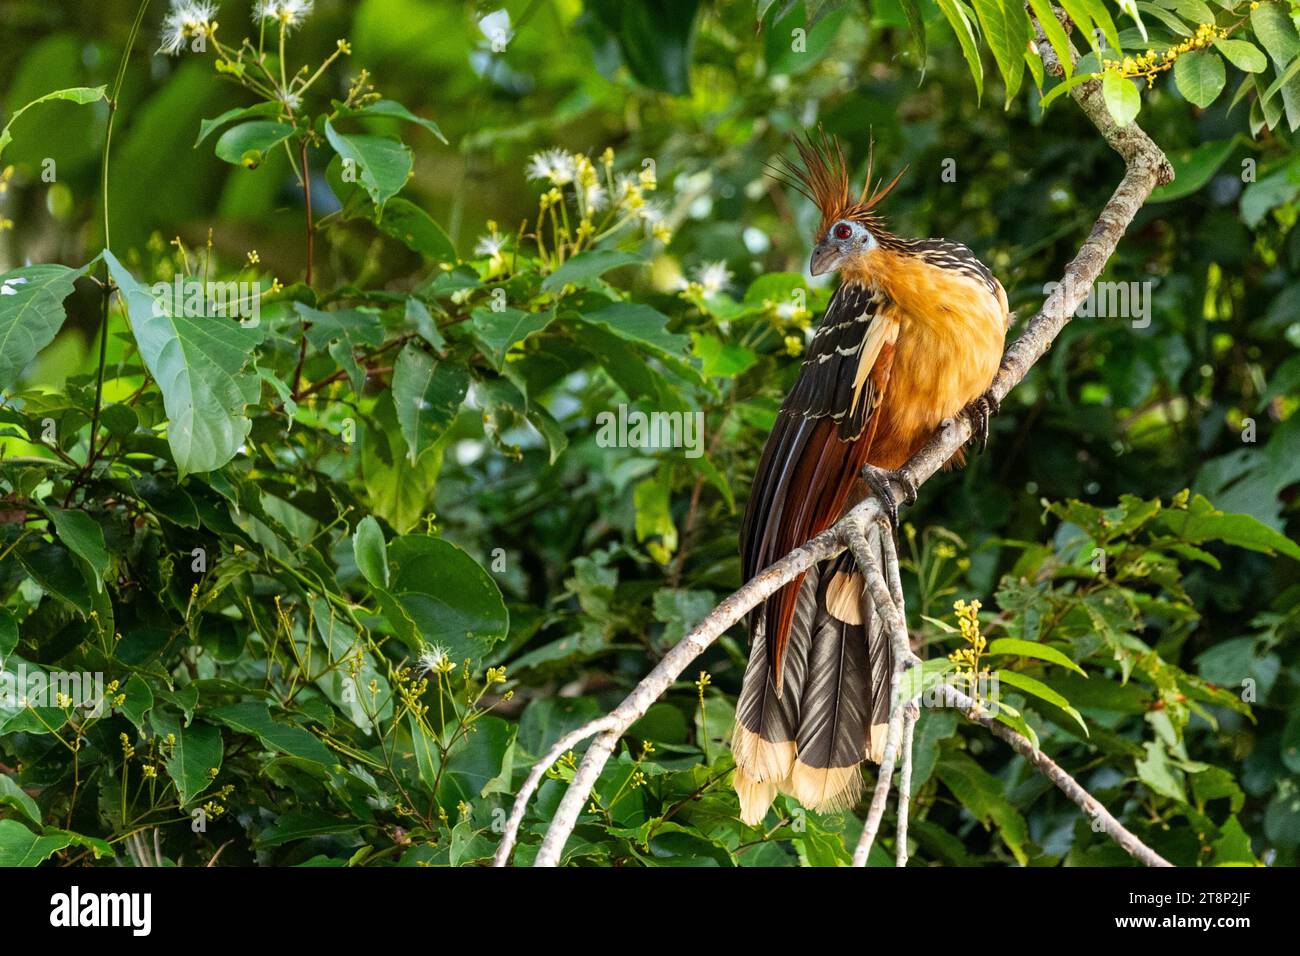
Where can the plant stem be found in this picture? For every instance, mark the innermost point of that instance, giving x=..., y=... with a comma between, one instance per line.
x=108, y=239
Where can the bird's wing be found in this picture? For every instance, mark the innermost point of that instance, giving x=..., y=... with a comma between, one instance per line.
x=818, y=445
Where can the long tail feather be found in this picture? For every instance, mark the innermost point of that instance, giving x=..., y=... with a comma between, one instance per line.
x=809, y=737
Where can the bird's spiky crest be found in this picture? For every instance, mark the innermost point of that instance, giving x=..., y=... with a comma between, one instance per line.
x=823, y=177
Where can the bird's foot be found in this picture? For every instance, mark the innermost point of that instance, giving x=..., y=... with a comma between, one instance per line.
x=981, y=412
x=879, y=479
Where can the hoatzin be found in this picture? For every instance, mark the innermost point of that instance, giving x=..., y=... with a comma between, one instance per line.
x=913, y=336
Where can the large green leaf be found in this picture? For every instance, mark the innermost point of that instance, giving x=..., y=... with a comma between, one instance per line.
x=20, y=847
x=248, y=143
x=499, y=331
x=253, y=717
x=391, y=109
x=452, y=600
x=31, y=314
x=965, y=31
x=416, y=229
x=76, y=94
x=1121, y=96
x=195, y=755
x=83, y=536
x=199, y=363
x=383, y=165
x=1006, y=28
x=427, y=394
x=371, y=552
x=1199, y=76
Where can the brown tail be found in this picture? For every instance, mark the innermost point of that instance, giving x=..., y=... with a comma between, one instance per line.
x=808, y=739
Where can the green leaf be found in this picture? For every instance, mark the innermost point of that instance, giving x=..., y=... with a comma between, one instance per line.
x=1200, y=521
x=195, y=755
x=427, y=755
x=19, y=846
x=1122, y=97
x=413, y=227
x=1043, y=652
x=965, y=31
x=207, y=126
x=12, y=795
x=83, y=536
x=393, y=110
x=982, y=794
x=1101, y=17
x=77, y=94
x=1159, y=774
x=371, y=552
x=427, y=394
x=198, y=362
x=343, y=333
x=398, y=490
x=253, y=717
x=31, y=314
x=1006, y=29
x=1275, y=31
x=586, y=266
x=452, y=600
x=384, y=165
x=1200, y=76
x=1040, y=690
x=499, y=331
x=916, y=25
x=248, y=143
x=647, y=329
x=1243, y=54
x=1082, y=16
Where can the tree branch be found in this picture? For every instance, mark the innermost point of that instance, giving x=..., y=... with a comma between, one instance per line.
x=1146, y=168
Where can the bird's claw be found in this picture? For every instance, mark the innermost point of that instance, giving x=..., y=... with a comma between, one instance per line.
x=878, y=480
x=981, y=412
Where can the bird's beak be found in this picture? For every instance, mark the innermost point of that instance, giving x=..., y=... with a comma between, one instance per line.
x=825, y=258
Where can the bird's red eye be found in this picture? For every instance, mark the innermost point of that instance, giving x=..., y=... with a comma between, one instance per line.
x=843, y=230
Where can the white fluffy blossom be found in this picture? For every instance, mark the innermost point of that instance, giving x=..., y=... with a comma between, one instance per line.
x=556, y=165
x=288, y=12
x=713, y=277
x=186, y=19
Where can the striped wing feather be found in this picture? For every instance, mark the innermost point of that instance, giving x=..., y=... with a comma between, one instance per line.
x=817, y=447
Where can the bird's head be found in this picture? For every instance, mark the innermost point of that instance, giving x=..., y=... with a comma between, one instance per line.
x=851, y=228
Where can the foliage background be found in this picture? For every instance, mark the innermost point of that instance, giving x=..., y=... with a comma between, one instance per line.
x=605, y=556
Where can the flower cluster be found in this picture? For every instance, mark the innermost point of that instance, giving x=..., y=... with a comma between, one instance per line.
x=1148, y=64
x=967, y=658
x=602, y=204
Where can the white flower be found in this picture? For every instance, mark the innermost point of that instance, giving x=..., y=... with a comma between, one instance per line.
x=433, y=660
x=7, y=287
x=492, y=244
x=496, y=27
x=185, y=20
x=713, y=277
x=288, y=12
x=593, y=196
x=557, y=165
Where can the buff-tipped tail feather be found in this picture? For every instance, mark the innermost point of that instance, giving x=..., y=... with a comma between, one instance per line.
x=808, y=739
